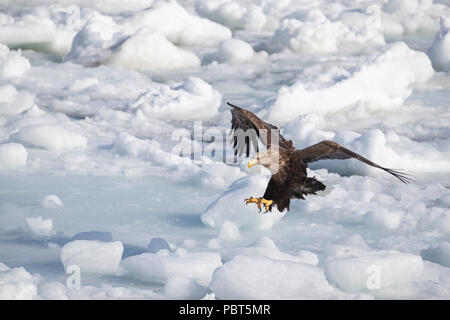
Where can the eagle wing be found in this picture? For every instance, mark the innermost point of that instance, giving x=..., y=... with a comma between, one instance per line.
x=332, y=150
x=247, y=128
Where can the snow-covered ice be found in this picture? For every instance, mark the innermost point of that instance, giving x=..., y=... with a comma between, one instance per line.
x=162, y=266
x=17, y=283
x=51, y=201
x=115, y=154
x=39, y=226
x=439, y=52
x=12, y=155
x=92, y=256
x=246, y=277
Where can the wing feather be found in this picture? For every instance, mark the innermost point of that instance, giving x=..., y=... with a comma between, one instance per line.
x=247, y=129
x=332, y=150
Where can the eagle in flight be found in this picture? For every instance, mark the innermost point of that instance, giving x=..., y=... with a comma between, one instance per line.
x=288, y=165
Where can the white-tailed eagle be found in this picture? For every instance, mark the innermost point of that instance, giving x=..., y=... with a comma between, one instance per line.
x=288, y=165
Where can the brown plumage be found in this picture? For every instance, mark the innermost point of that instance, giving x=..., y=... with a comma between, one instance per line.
x=288, y=166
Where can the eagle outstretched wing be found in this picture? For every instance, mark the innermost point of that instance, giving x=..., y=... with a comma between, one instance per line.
x=247, y=128
x=332, y=150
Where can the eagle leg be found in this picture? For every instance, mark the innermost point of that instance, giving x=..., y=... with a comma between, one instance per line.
x=260, y=201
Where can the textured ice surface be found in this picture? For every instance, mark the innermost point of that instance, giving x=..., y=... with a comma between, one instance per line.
x=92, y=256
x=162, y=266
x=113, y=126
x=247, y=277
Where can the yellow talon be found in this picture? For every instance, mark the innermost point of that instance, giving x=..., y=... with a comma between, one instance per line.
x=254, y=200
x=259, y=201
x=267, y=203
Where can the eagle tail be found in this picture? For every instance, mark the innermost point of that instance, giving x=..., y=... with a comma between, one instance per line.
x=310, y=186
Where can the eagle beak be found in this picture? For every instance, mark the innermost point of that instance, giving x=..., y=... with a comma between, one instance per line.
x=252, y=162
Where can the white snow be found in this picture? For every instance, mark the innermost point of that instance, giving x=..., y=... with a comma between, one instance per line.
x=17, y=284
x=39, y=226
x=382, y=82
x=404, y=6
x=226, y=208
x=355, y=269
x=438, y=253
x=263, y=278
x=152, y=51
x=162, y=266
x=53, y=291
x=173, y=21
x=314, y=33
x=266, y=247
x=12, y=64
x=114, y=125
x=180, y=286
x=192, y=100
x=149, y=40
x=13, y=102
x=52, y=137
x=384, y=218
x=439, y=51
x=229, y=231
x=234, y=51
x=92, y=256
x=51, y=201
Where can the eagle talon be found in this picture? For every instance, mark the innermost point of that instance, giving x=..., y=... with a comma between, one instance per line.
x=260, y=201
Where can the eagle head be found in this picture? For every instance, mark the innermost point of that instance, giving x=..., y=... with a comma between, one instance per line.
x=268, y=158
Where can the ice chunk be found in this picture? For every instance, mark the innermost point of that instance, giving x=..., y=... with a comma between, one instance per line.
x=246, y=15
x=52, y=137
x=193, y=99
x=234, y=51
x=12, y=155
x=39, y=226
x=183, y=287
x=159, y=267
x=308, y=257
x=92, y=44
x=213, y=243
x=3, y=267
x=147, y=40
x=51, y=201
x=153, y=52
x=189, y=243
x=354, y=240
x=439, y=52
x=157, y=244
x=404, y=6
x=93, y=235
x=438, y=253
x=317, y=34
x=266, y=247
x=57, y=291
x=41, y=27
x=355, y=269
x=13, y=102
x=229, y=231
x=263, y=278
x=12, y=64
x=53, y=291
x=92, y=256
x=227, y=208
x=173, y=21
x=389, y=75
x=17, y=284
